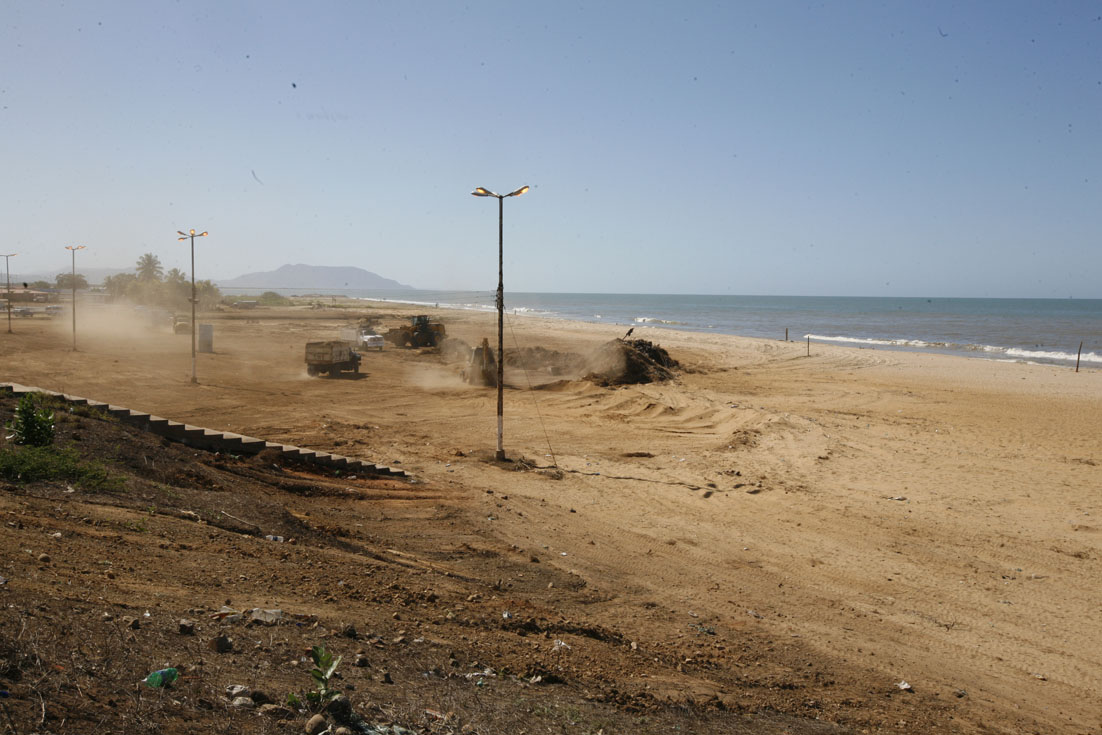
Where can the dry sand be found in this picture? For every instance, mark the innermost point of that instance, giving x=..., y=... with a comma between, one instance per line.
x=925, y=518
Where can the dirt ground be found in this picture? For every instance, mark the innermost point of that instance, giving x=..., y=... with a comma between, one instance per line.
x=771, y=542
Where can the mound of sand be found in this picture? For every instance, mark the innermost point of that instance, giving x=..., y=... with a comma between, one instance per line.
x=630, y=361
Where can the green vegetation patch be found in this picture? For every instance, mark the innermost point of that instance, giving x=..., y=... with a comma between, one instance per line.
x=271, y=298
x=38, y=464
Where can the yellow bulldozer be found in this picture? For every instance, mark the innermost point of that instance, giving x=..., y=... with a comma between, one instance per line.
x=481, y=366
x=420, y=332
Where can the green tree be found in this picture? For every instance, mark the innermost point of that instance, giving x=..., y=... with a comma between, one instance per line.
x=41, y=285
x=149, y=268
x=175, y=276
x=207, y=294
x=119, y=285
x=65, y=281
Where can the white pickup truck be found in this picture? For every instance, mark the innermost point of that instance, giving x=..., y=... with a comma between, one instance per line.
x=361, y=338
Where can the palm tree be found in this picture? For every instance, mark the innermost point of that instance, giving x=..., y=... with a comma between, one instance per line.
x=175, y=276
x=149, y=268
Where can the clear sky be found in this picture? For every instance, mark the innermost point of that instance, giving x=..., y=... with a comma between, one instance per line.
x=860, y=148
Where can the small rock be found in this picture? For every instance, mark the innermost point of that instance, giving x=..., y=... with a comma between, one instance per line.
x=316, y=725
x=361, y=661
x=186, y=627
x=221, y=644
x=242, y=703
x=342, y=731
x=44, y=558
x=132, y=623
x=386, y=678
x=349, y=631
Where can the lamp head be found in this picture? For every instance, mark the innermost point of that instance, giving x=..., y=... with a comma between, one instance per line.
x=482, y=192
x=518, y=192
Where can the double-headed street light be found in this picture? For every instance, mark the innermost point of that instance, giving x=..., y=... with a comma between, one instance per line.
x=7, y=265
x=481, y=192
x=74, y=249
x=184, y=236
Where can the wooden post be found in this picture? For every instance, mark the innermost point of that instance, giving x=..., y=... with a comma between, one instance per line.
x=809, y=345
x=786, y=334
x=1078, y=356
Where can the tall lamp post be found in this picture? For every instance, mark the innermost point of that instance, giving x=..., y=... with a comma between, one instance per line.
x=191, y=234
x=74, y=249
x=481, y=192
x=7, y=266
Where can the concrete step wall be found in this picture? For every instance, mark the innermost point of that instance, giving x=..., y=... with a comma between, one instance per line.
x=215, y=441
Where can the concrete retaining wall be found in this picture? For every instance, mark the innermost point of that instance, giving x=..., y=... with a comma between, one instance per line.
x=215, y=441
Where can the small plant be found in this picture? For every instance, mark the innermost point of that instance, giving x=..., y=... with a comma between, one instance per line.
x=31, y=426
x=324, y=668
x=35, y=464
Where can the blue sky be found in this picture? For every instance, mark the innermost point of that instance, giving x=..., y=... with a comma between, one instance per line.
x=899, y=149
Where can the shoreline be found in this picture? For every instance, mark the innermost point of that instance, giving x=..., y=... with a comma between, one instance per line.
x=1090, y=360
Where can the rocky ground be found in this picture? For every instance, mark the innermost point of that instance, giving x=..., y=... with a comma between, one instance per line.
x=231, y=569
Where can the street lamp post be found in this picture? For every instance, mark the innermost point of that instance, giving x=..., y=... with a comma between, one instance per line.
x=7, y=266
x=191, y=234
x=74, y=249
x=481, y=192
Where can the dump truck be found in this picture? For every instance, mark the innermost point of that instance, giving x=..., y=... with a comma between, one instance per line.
x=420, y=332
x=331, y=357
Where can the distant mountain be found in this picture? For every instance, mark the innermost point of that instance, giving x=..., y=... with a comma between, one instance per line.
x=314, y=276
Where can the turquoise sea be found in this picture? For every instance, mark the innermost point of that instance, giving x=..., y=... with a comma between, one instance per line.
x=1032, y=330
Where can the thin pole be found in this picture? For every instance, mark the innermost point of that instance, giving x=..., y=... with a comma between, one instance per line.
x=500, y=455
x=7, y=263
x=193, y=378
x=809, y=345
x=74, y=251
x=1078, y=356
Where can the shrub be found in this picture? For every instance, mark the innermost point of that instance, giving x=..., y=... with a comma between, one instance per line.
x=271, y=298
x=31, y=425
x=34, y=464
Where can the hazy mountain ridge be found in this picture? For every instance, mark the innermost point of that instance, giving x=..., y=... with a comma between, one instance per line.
x=313, y=276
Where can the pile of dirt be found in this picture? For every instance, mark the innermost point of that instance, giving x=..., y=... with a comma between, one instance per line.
x=631, y=361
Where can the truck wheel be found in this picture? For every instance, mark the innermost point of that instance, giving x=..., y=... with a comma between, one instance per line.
x=311, y=370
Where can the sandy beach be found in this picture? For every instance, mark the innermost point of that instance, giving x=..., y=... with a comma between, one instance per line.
x=893, y=517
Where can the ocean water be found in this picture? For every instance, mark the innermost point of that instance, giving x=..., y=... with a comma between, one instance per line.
x=1047, y=331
